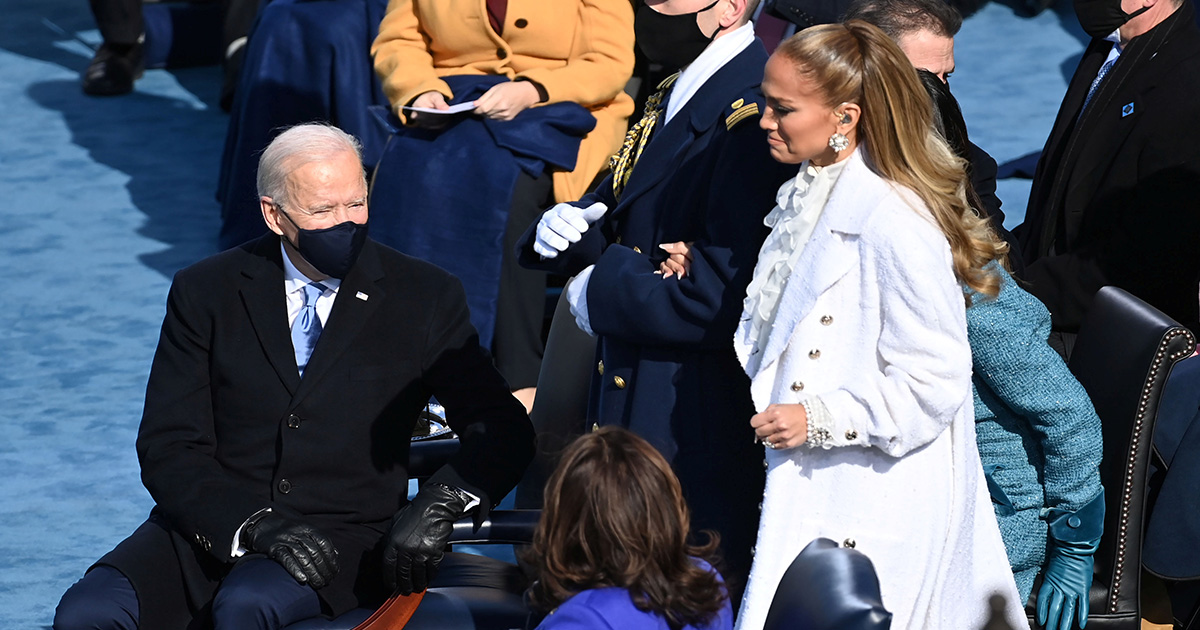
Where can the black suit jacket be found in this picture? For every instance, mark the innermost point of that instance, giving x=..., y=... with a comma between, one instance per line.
x=229, y=426
x=1114, y=198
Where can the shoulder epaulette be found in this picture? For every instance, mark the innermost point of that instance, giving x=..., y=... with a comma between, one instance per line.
x=741, y=111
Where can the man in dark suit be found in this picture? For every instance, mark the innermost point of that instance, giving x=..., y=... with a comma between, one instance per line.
x=696, y=169
x=925, y=30
x=278, y=465
x=1114, y=198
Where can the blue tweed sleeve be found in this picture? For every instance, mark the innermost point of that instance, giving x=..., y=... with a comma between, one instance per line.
x=1026, y=388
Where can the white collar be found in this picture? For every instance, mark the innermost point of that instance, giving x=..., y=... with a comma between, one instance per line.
x=713, y=58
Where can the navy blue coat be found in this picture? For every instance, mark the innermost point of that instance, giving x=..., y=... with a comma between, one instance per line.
x=666, y=367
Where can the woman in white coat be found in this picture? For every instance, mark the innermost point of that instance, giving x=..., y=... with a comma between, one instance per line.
x=854, y=337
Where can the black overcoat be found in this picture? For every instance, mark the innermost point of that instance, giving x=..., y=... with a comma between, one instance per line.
x=1114, y=198
x=229, y=426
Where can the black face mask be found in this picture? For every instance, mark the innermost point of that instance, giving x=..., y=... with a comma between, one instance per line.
x=1099, y=18
x=331, y=250
x=672, y=41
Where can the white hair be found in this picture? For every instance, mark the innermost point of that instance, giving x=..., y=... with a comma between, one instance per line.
x=297, y=146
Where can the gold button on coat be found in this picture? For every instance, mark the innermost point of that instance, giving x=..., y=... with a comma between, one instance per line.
x=595, y=426
x=637, y=250
x=600, y=368
x=797, y=386
x=619, y=382
x=851, y=435
x=826, y=319
x=814, y=354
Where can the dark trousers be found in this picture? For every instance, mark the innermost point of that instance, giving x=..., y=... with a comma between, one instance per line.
x=119, y=21
x=521, y=301
x=559, y=413
x=258, y=593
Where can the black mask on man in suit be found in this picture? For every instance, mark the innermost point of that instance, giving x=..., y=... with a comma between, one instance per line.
x=1099, y=18
x=331, y=250
x=673, y=41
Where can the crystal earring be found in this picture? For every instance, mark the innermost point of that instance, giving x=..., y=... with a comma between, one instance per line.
x=839, y=142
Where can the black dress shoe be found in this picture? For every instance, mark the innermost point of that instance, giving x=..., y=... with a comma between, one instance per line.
x=114, y=69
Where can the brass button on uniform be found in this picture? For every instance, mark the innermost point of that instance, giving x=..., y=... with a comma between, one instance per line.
x=851, y=435
x=600, y=368
x=797, y=386
x=765, y=466
x=501, y=53
x=849, y=543
x=826, y=320
x=619, y=382
x=595, y=426
x=637, y=250
x=293, y=421
x=618, y=240
x=814, y=354
x=521, y=23
x=285, y=486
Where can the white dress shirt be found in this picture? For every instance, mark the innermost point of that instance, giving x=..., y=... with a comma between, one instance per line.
x=294, y=283
x=720, y=52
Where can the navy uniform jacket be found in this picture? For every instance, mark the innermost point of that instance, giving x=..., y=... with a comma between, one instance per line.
x=666, y=367
x=1115, y=189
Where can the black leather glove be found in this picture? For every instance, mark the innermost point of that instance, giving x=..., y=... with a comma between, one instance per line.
x=418, y=538
x=302, y=550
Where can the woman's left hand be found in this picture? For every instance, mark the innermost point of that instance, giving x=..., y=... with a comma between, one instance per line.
x=679, y=259
x=781, y=426
x=505, y=100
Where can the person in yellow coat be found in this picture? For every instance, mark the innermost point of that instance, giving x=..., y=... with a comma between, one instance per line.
x=551, y=51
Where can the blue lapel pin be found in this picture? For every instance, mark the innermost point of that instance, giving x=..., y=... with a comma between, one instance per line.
x=1127, y=110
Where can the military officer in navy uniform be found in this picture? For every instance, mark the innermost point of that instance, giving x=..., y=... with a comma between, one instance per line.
x=695, y=169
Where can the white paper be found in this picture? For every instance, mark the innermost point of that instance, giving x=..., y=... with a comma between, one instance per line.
x=454, y=109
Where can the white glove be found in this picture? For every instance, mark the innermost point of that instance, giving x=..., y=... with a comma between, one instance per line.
x=563, y=225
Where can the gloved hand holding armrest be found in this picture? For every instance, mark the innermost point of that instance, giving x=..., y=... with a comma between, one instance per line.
x=418, y=538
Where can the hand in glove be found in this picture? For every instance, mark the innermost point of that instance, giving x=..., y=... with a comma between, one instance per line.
x=563, y=225
x=418, y=538
x=1067, y=577
x=302, y=550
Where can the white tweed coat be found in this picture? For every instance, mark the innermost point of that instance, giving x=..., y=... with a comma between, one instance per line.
x=873, y=322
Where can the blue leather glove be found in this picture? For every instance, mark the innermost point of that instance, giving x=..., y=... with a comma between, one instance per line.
x=1067, y=576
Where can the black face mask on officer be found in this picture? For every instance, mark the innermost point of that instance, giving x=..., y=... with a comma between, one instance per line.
x=1099, y=18
x=673, y=41
x=332, y=250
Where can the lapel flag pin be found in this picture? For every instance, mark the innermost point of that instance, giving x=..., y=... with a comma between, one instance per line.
x=360, y=295
x=1127, y=110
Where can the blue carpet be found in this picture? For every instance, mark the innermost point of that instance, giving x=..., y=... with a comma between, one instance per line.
x=106, y=198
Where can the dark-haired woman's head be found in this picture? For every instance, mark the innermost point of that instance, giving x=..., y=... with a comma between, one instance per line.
x=614, y=515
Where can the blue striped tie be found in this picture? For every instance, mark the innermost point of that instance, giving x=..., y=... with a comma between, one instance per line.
x=307, y=327
x=1098, y=80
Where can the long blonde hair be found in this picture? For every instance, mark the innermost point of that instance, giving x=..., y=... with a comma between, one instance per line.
x=856, y=62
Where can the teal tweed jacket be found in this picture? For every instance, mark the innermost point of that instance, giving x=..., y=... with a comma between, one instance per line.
x=1039, y=436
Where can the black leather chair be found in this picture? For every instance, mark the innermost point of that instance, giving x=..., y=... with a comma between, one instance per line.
x=1123, y=354
x=828, y=587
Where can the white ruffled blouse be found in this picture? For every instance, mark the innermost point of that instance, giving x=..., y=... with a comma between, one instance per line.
x=799, y=204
